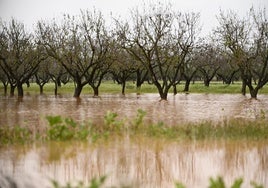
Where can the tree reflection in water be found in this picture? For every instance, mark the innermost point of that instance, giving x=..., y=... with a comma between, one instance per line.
x=141, y=162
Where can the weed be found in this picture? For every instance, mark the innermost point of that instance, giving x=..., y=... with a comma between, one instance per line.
x=139, y=118
x=94, y=183
x=179, y=185
x=65, y=129
x=219, y=183
x=110, y=121
x=255, y=185
x=16, y=134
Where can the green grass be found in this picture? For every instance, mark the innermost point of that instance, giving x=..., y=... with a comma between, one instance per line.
x=112, y=87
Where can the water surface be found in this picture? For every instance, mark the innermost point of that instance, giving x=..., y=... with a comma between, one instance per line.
x=139, y=162
x=178, y=109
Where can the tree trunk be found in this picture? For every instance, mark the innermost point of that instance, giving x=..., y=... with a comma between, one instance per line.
x=163, y=91
x=96, y=91
x=41, y=88
x=175, y=89
x=187, y=86
x=12, y=90
x=253, y=93
x=58, y=81
x=163, y=95
x=28, y=83
x=5, y=89
x=206, y=82
x=138, y=90
x=56, y=88
x=244, y=85
x=20, y=89
x=78, y=90
x=123, y=87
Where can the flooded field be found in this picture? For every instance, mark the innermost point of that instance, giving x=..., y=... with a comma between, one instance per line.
x=138, y=161
x=177, y=110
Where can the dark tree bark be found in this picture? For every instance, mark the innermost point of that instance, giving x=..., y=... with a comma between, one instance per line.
x=20, y=89
x=96, y=91
x=175, y=91
x=141, y=76
x=187, y=85
x=188, y=79
x=244, y=87
x=77, y=91
x=12, y=89
x=56, y=88
x=5, y=84
x=123, y=87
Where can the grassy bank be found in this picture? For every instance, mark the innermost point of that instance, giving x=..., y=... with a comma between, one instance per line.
x=64, y=129
x=111, y=87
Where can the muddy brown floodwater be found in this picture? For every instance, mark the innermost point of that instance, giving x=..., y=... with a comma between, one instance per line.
x=178, y=109
x=139, y=161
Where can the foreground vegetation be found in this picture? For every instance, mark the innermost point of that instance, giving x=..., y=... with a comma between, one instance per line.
x=64, y=129
x=213, y=183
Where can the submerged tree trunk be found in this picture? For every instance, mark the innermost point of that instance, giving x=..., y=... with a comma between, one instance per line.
x=96, y=91
x=187, y=86
x=163, y=92
x=175, y=89
x=163, y=95
x=253, y=93
x=244, y=87
x=12, y=90
x=41, y=88
x=20, y=89
x=123, y=87
x=78, y=90
x=56, y=88
x=5, y=88
x=138, y=90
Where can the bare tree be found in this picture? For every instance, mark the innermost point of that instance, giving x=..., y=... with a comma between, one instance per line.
x=259, y=69
x=58, y=75
x=101, y=45
x=123, y=68
x=228, y=71
x=20, y=55
x=189, y=68
x=63, y=43
x=160, y=39
x=208, y=61
x=42, y=75
x=246, y=41
x=81, y=45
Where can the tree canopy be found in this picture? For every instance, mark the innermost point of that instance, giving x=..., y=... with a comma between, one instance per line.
x=158, y=44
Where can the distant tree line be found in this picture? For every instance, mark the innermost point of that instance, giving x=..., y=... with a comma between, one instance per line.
x=157, y=44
